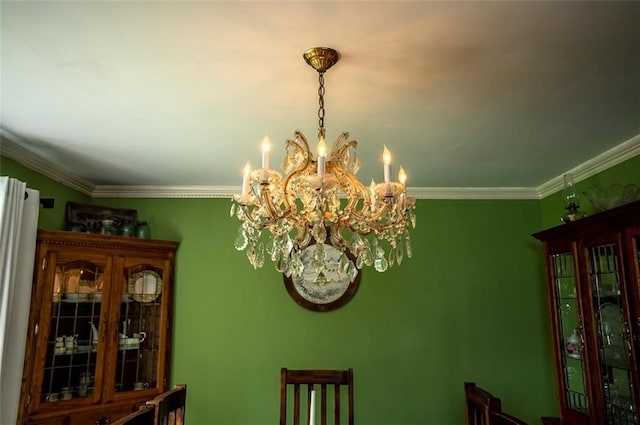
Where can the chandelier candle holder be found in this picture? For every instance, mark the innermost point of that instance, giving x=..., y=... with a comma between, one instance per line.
x=319, y=201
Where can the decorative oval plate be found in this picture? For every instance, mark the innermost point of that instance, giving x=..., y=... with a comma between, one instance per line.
x=145, y=286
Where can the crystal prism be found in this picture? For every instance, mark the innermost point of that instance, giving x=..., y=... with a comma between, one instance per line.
x=241, y=239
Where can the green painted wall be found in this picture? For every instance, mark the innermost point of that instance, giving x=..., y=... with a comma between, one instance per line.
x=469, y=306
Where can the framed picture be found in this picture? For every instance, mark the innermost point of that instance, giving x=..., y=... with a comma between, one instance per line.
x=89, y=217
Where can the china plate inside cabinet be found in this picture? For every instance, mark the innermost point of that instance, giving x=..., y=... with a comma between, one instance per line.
x=145, y=286
x=80, y=281
x=611, y=323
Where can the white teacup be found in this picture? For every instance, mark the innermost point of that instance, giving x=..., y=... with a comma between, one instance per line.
x=140, y=386
x=85, y=378
x=141, y=336
x=66, y=393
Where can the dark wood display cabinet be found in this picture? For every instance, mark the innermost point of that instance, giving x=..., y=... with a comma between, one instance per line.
x=99, y=333
x=593, y=277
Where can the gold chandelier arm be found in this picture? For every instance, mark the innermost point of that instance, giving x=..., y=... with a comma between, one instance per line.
x=338, y=153
x=338, y=145
x=301, y=146
x=341, y=146
x=267, y=202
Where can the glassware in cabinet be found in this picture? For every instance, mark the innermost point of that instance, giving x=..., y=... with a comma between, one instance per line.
x=139, y=329
x=613, y=334
x=569, y=332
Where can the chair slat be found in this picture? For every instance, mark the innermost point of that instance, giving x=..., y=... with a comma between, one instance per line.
x=296, y=404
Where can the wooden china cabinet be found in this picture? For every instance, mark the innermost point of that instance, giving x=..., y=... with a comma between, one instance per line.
x=593, y=277
x=99, y=336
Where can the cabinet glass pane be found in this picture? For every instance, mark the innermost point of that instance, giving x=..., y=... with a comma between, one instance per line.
x=72, y=343
x=139, y=329
x=569, y=328
x=613, y=335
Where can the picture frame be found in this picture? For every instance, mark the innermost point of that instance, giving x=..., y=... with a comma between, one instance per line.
x=89, y=217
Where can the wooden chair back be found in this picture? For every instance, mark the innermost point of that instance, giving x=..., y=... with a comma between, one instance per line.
x=502, y=418
x=143, y=416
x=170, y=406
x=479, y=401
x=327, y=381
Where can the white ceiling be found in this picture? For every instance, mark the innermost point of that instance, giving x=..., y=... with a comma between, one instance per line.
x=464, y=94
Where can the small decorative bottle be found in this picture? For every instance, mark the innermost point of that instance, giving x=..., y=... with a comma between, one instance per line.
x=143, y=231
x=127, y=229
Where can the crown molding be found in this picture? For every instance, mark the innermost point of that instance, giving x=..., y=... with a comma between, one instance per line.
x=229, y=191
x=456, y=193
x=614, y=156
x=10, y=146
x=103, y=191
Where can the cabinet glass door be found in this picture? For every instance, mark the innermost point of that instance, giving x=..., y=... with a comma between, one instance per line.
x=72, y=342
x=569, y=329
x=612, y=335
x=139, y=328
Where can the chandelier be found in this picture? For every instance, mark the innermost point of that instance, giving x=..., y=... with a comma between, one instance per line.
x=319, y=202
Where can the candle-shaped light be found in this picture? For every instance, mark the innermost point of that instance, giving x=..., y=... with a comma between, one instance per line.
x=402, y=176
x=266, y=147
x=245, y=179
x=312, y=408
x=386, y=159
x=322, y=156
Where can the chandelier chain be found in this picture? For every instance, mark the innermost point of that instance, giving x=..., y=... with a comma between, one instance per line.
x=321, y=102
